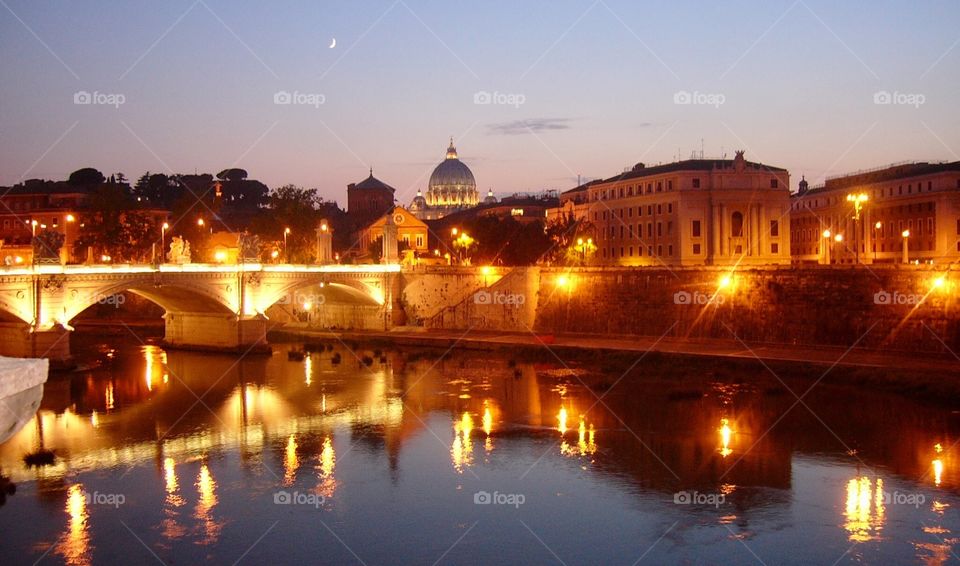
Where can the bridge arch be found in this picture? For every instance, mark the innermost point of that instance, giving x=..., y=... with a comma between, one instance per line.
x=321, y=289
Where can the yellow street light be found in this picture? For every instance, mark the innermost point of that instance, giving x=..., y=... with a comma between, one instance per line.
x=905, y=233
x=725, y=281
x=878, y=225
x=826, y=233
x=200, y=222
x=906, y=246
x=71, y=218
x=286, y=232
x=857, y=199
x=838, y=237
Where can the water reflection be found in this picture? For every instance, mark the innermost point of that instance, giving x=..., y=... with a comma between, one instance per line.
x=75, y=543
x=865, y=510
x=657, y=436
x=207, y=491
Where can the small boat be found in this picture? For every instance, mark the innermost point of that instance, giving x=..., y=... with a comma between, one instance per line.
x=296, y=355
x=21, y=388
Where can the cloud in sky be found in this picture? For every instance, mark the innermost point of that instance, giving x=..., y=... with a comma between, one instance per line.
x=534, y=125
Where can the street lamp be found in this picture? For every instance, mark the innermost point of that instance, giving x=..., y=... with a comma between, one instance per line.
x=826, y=247
x=876, y=236
x=286, y=232
x=857, y=199
x=906, y=246
x=163, y=235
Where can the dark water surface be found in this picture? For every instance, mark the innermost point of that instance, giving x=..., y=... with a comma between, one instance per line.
x=475, y=458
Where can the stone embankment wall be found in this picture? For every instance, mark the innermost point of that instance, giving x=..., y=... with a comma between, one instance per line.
x=913, y=308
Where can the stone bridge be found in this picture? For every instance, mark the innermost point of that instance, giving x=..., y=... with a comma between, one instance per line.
x=208, y=306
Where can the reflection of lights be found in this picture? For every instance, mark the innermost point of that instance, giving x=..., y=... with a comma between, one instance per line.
x=487, y=421
x=108, y=396
x=75, y=547
x=937, y=465
x=207, y=489
x=308, y=373
x=865, y=510
x=461, y=451
x=585, y=438
x=155, y=359
x=726, y=433
x=94, y=419
x=562, y=420
x=328, y=460
x=290, y=462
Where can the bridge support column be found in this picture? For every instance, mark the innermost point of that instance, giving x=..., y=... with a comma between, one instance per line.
x=18, y=341
x=216, y=332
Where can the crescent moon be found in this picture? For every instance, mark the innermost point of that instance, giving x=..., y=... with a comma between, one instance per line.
x=333, y=43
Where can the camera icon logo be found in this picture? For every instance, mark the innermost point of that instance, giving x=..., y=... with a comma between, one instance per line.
x=483, y=298
x=482, y=498
x=482, y=97
x=682, y=97
x=282, y=498
x=282, y=97
x=882, y=298
x=882, y=97
x=82, y=97
x=682, y=498
x=682, y=298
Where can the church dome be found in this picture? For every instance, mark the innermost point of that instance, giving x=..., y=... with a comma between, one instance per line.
x=452, y=182
x=490, y=199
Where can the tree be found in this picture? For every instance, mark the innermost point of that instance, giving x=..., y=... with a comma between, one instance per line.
x=375, y=248
x=232, y=175
x=86, y=177
x=565, y=233
x=114, y=227
x=299, y=210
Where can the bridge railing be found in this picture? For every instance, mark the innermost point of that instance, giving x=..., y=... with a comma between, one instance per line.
x=87, y=269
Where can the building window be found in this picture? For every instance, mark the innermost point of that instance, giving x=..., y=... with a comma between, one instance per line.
x=631, y=251
x=696, y=183
x=696, y=230
x=736, y=225
x=774, y=227
x=669, y=208
x=660, y=250
x=774, y=183
x=696, y=249
x=659, y=186
x=669, y=185
x=419, y=241
x=670, y=250
x=660, y=230
x=774, y=248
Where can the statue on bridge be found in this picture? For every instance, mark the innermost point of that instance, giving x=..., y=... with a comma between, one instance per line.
x=179, y=251
x=46, y=247
x=249, y=245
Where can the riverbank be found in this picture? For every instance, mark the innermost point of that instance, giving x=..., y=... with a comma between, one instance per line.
x=929, y=377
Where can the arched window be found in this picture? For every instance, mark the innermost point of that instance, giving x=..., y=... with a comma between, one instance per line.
x=736, y=225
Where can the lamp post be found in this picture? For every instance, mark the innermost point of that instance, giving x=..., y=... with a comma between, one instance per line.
x=163, y=236
x=826, y=247
x=906, y=246
x=857, y=199
x=876, y=236
x=838, y=239
x=286, y=232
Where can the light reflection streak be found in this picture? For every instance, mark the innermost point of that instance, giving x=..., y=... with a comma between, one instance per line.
x=75, y=544
x=207, y=490
x=865, y=510
x=290, y=461
x=461, y=451
x=328, y=461
x=173, y=500
x=726, y=433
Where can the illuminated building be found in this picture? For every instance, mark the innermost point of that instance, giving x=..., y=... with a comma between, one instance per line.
x=693, y=212
x=922, y=199
x=451, y=188
x=368, y=200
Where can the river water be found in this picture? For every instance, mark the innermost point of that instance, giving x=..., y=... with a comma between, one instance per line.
x=356, y=455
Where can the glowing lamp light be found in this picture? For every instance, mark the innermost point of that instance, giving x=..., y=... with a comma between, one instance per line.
x=105, y=258
x=18, y=259
x=274, y=254
x=826, y=234
x=838, y=237
x=486, y=269
x=200, y=222
x=307, y=305
x=71, y=218
x=905, y=233
x=725, y=281
x=563, y=281
x=286, y=230
x=878, y=225
x=324, y=227
x=166, y=226
x=220, y=256
x=939, y=283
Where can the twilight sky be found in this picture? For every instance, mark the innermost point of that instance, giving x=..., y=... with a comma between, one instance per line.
x=580, y=87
